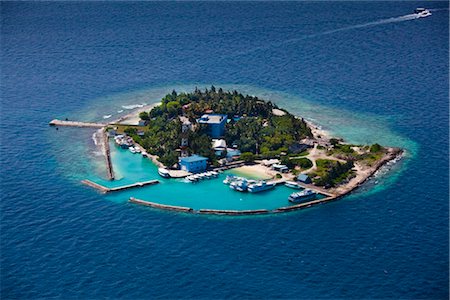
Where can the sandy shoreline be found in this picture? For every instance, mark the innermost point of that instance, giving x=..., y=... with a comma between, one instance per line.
x=258, y=171
x=254, y=171
x=132, y=118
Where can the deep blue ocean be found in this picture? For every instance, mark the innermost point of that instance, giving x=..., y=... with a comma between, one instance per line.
x=367, y=62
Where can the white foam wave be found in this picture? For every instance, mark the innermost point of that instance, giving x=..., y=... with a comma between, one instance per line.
x=107, y=116
x=133, y=106
x=120, y=111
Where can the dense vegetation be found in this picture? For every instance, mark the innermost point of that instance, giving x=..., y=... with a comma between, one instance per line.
x=253, y=127
x=330, y=173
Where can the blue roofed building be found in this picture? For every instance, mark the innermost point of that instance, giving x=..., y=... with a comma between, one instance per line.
x=216, y=124
x=304, y=178
x=193, y=164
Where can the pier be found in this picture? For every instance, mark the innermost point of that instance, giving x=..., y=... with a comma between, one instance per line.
x=57, y=122
x=105, y=189
x=109, y=166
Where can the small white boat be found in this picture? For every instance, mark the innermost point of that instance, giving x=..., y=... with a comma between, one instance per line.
x=293, y=185
x=260, y=187
x=229, y=179
x=240, y=185
x=137, y=150
x=163, y=172
x=132, y=150
x=304, y=195
x=422, y=12
x=214, y=173
x=191, y=178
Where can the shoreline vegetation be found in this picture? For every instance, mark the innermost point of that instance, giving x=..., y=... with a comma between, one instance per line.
x=259, y=129
x=257, y=133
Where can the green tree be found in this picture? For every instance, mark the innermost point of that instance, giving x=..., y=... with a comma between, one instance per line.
x=375, y=148
x=248, y=157
x=144, y=116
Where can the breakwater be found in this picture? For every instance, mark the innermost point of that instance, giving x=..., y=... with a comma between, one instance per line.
x=105, y=189
x=225, y=212
x=393, y=154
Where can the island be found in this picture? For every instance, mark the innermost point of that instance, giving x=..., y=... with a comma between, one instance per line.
x=198, y=135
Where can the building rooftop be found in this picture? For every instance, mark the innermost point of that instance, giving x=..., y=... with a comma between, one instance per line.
x=302, y=177
x=212, y=119
x=193, y=158
x=219, y=143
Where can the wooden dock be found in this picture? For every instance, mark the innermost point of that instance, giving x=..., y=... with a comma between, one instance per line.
x=57, y=122
x=105, y=189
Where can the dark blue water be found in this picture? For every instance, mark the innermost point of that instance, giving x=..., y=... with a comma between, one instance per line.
x=62, y=240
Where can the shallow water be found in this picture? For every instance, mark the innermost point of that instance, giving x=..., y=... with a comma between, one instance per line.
x=386, y=82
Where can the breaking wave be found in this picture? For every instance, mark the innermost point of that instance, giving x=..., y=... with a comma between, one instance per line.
x=133, y=106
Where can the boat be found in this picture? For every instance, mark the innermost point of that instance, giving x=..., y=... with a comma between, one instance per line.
x=304, y=195
x=163, y=172
x=137, y=150
x=214, y=173
x=191, y=178
x=293, y=185
x=229, y=179
x=422, y=12
x=260, y=187
x=240, y=185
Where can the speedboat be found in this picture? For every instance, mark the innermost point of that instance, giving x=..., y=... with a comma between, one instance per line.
x=422, y=12
x=137, y=150
x=260, y=186
x=293, y=185
x=132, y=150
x=240, y=185
x=163, y=172
x=304, y=195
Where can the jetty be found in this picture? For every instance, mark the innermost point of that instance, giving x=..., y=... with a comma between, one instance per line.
x=107, y=152
x=57, y=122
x=105, y=189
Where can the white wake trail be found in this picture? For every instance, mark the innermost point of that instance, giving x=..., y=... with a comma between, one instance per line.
x=369, y=24
x=404, y=18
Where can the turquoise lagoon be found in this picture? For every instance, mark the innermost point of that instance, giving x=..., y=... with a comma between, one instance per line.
x=213, y=194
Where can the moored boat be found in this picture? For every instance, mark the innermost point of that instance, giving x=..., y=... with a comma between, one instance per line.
x=260, y=187
x=229, y=179
x=293, y=185
x=304, y=195
x=240, y=185
x=163, y=172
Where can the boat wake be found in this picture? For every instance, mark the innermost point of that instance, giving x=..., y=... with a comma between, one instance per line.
x=404, y=18
x=374, y=23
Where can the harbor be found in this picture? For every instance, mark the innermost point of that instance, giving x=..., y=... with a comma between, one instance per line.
x=250, y=187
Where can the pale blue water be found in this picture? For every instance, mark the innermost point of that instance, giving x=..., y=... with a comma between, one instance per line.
x=360, y=74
